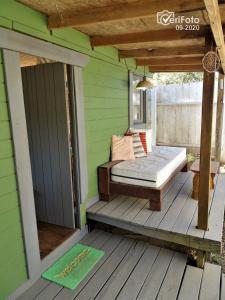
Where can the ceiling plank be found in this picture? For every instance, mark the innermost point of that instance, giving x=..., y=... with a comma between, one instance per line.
x=163, y=52
x=169, y=61
x=126, y=11
x=212, y=8
x=148, y=36
x=178, y=68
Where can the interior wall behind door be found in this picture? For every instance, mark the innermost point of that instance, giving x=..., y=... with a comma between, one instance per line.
x=46, y=115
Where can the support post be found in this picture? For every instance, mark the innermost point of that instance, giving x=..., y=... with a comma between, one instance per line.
x=219, y=118
x=206, y=140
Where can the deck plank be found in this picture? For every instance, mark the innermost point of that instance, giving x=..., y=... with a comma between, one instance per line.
x=185, y=217
x=50, y=292
x=99, y=279
x=96, y=207
x=35, y=290
x=119, y=277
x=156, y=217
x=121, y=209
x=222, y=291
x=216, y=216
x=135, y=282
x=93, y=240
x=134, y=209
x=156, y=276
x=193, y=230
x=175, y=209
x=112, y=205
x=108, y=248
x=171, y=284
x=210, y=287
x=191, y=284
x=143, y=215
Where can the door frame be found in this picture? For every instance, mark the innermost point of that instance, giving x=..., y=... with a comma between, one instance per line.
x=12, y=43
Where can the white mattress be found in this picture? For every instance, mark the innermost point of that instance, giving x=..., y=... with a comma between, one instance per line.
x=152, y=170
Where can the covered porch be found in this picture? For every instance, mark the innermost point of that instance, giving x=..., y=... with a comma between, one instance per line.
x=133, y=269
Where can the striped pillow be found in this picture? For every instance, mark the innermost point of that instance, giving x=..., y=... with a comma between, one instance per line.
x=138, y=147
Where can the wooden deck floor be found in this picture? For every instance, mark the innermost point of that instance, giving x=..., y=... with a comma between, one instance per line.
x=177, y=220
x=135, y=270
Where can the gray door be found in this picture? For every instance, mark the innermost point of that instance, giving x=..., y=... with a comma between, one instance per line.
x=46, y=106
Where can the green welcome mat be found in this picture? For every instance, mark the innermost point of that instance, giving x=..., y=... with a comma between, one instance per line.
x=73, y=266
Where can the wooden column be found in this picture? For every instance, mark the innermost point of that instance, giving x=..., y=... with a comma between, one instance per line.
x=206, y=139
x=219, y=119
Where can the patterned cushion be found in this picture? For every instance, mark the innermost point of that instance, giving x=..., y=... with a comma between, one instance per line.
x=143, y=140
x=138, y=147
x=142, y=137
x=122, y=148
x=148, y=136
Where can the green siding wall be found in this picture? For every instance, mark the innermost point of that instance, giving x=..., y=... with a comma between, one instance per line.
x=106, y=113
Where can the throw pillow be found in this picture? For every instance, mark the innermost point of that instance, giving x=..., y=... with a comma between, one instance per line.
x=122, y=148
x=138, y=147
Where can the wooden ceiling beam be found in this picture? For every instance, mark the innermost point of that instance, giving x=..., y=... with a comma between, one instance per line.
x=169, y=61
x=176, y=68
x=212, y=8
x=148, y=36
x=162, y=52
x=118, y=12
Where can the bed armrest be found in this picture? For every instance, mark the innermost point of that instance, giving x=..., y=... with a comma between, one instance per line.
x=104, y=179
x=110, y=164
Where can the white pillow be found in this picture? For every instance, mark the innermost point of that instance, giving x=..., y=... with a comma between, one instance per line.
x=148, y=137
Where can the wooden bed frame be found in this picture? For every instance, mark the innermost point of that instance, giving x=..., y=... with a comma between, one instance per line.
x=108, y=189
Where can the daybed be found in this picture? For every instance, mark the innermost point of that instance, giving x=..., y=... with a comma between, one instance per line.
x=146, y=177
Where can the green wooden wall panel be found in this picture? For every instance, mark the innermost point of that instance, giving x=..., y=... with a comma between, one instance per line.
x=7, y=185
x=4, y=22
x=92, y=115
x=5, y=133
x=4, y=115
x=6, y=149
x=1, y=74
x=6, y=167
x=104, y=92
x=8, y=202
x=98, y=80
x=97, y=103
x=2, y=93
x=6, y=219
x=107, y=124
x=11, y=280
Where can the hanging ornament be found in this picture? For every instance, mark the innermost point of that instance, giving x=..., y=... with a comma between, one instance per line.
x=211, y=62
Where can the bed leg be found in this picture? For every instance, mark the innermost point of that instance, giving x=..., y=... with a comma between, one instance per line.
x=155, y=206
x=104, y=179
x=155, y=202
x=104, y=197
x=185, y=168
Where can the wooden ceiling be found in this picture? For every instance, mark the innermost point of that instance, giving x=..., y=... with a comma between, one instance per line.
x=131, y=26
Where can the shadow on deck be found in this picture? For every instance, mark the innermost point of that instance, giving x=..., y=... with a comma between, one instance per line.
x=177, y=220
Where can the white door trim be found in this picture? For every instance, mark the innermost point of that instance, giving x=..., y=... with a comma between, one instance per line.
x=10, y=42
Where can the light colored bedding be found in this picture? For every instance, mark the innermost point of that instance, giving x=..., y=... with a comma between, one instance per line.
x=152, y=170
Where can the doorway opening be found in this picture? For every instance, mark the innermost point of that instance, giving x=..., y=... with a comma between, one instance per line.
x=48, y=101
